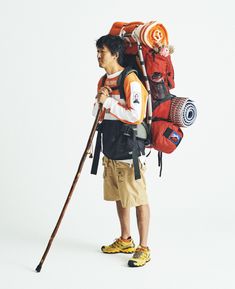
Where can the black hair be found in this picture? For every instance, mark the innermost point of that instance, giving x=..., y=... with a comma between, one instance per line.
x=114, y=43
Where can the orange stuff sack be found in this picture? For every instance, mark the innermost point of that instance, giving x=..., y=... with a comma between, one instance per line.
x=125, y=30
x=120, y=28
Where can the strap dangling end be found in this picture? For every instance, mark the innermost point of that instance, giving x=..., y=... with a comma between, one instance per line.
x=148, y=153
x=160, y=162
x=91, y=152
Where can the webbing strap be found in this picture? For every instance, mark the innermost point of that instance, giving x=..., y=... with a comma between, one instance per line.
x=160, y=163
x=120, y=81
x=135, y=157
x=96, y=158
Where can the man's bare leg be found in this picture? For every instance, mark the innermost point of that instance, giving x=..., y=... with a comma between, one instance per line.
x=124, y=218
x=143, y=216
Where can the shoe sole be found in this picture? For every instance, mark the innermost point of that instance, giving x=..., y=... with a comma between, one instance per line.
x=133, y=263
x=124, y=252
x=118, y=252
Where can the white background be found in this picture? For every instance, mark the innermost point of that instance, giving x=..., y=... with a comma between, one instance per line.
x=48, y=78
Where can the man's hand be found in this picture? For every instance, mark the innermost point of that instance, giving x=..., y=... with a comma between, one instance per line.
x=103, y=94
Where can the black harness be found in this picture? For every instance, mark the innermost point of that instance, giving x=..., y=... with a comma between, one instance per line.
x=120, y=140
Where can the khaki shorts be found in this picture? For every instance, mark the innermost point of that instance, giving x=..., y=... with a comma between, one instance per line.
x=120, y=183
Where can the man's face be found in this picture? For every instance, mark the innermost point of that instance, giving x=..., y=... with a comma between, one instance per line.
x=105, y=58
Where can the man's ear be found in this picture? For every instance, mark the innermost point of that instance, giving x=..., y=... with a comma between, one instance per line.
x=117, y=54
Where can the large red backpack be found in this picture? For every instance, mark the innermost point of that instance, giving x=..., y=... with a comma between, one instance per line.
x=147, y=51
x=157, y=65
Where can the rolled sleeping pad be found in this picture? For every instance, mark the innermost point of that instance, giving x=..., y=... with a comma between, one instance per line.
x=152, y=34
x=183, y=112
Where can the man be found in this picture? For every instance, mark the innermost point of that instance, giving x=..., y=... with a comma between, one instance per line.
x=120, y=184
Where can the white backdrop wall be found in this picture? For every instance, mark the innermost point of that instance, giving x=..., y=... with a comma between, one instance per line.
x=49, y=73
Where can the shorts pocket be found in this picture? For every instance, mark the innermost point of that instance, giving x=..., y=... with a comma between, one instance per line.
x=104, y=161
x=107, y=173
x=143, y=167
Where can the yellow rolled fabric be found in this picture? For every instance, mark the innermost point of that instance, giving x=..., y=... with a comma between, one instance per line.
x=153, y=34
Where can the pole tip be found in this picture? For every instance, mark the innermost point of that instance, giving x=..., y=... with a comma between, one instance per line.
x=39, y=267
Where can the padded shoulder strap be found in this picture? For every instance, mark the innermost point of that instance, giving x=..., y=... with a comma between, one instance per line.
x=121, y=79
x=104, y=77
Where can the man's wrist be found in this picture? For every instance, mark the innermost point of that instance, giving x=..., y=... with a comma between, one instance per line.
x=107, y=103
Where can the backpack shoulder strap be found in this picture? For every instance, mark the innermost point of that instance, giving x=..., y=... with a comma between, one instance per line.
x=104, y=77
x=121, y=79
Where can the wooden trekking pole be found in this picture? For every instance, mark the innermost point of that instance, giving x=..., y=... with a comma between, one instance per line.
x=86, y=152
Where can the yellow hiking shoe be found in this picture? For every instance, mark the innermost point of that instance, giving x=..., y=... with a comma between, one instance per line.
x=120, y=246
x=140, y=257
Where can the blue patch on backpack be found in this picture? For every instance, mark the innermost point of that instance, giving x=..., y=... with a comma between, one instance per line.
x=174, y=137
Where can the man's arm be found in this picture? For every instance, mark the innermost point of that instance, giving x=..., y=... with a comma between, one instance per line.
x=136, y=100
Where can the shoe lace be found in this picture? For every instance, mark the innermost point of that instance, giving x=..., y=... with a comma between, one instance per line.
x=116, y=243
x=139, y=253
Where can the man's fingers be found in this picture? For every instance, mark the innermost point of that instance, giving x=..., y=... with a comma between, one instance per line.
x=105, y=90
x=108, y=88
